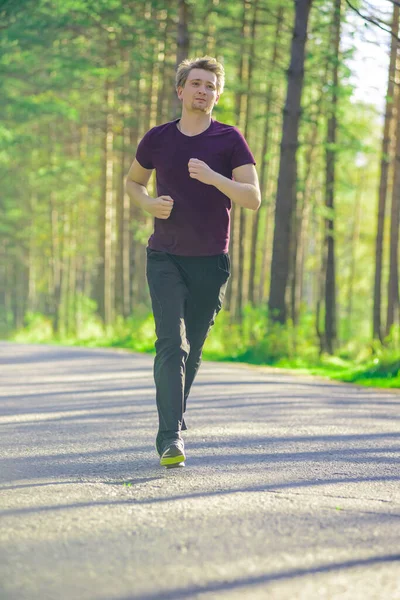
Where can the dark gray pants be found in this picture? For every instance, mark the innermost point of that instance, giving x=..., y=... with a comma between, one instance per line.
x=186, y=293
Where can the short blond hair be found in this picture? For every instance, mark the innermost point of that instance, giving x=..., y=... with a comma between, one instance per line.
x=205, y=62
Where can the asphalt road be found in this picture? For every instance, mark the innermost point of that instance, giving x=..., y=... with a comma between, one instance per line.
x=291, y=489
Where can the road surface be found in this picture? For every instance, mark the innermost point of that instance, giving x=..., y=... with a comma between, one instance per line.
x=291, y=489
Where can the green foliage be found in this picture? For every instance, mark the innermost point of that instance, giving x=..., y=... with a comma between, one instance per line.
x=38, y=329
x=253, y=342
x=55, y=61
x=258, y=341
x=135, y=333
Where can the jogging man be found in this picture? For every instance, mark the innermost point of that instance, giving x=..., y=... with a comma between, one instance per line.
x=202, y=166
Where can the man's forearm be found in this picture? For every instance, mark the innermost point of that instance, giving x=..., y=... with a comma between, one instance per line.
x=244, y=194
x=138, y=194
x=159, y=208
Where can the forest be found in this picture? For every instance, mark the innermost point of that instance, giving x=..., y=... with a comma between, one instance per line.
x=314, y=280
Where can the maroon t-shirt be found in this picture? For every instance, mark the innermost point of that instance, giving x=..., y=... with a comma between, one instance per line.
x=200, y=219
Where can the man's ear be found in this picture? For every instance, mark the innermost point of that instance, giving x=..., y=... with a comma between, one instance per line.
x=217, y=98
x=179, y=92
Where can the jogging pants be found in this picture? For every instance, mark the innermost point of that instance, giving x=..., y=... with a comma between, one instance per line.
x=187, y=293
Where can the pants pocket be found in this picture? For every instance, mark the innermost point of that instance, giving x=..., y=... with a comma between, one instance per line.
x=224, y=263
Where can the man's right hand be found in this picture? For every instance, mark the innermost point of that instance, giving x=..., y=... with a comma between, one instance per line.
x=160, y=207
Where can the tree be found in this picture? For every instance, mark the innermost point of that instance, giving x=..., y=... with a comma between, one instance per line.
x=330, y=277
x=383, y=182
x=285, y=200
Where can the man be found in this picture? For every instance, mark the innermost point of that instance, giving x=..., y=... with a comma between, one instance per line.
x=188, y=266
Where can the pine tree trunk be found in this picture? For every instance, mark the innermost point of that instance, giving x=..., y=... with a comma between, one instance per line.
x=32, y=274
x=268, y=230
x=182, y=52
x=109, y=225
x=319, y=236
x=72, y=273
x=330, y=279
x=125, y=232
x=355, y=235
x=105, y=293
x=383, y=183
x=19, y=287
x=285, y=200
x=241, y=297
x=5, y=289
x=100, y=282
x=122, y=199
x=232, y=289
x=135, y=212
x=264, y=165
x=55, y=288
x=64, y=272
x=163, y=78
x=392, y=316
x=82, y=268
x=302, y=219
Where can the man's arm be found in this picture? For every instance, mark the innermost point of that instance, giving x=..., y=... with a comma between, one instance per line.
x=244, y=190
x=136, y=188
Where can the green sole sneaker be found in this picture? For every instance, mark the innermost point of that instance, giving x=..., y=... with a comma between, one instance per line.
x=173, y=456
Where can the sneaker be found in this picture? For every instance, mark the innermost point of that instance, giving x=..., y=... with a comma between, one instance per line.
x=160, y=443
x=173, y=454
x=159, y=440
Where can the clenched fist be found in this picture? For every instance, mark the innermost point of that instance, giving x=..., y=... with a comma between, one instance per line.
x=160, y=207
x=199, y=170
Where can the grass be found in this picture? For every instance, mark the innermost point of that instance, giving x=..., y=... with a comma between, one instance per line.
x=249, y=343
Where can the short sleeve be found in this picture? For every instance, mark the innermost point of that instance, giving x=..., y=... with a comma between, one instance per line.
x=241, y=153
x=144, y=151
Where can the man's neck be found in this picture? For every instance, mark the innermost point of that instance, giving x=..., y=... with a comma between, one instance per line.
x=194, y=125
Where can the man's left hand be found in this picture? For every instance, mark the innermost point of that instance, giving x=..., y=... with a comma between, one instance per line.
x=201, y=171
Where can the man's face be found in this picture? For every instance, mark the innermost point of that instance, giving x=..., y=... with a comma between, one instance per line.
x=199, y=93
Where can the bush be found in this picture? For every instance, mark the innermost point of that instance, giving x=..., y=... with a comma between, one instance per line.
x=38, y=328
x=257, y=341
x=135, y=333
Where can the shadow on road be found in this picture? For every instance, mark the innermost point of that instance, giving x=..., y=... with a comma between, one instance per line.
x=263, y=579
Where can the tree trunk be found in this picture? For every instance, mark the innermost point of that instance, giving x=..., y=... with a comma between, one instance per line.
x=182, y=51
x=264, y=162
x=285, y=200
x=6, y=322
x=330, y=277
x=106, y=260
x=72, y=272
x=63, y=307
x=109, y=225
x=163, y=78
x=125, y=233
x=393, y=283
x=318, y=231
x=32, y=264
x=303, y=216
x=270, y=193
x=122, y=272
x=383, y=183
x=355, y=235
x=55, y=288
x=19, y=287
x=134, y=211
x=233, y=290
x=243, y=213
